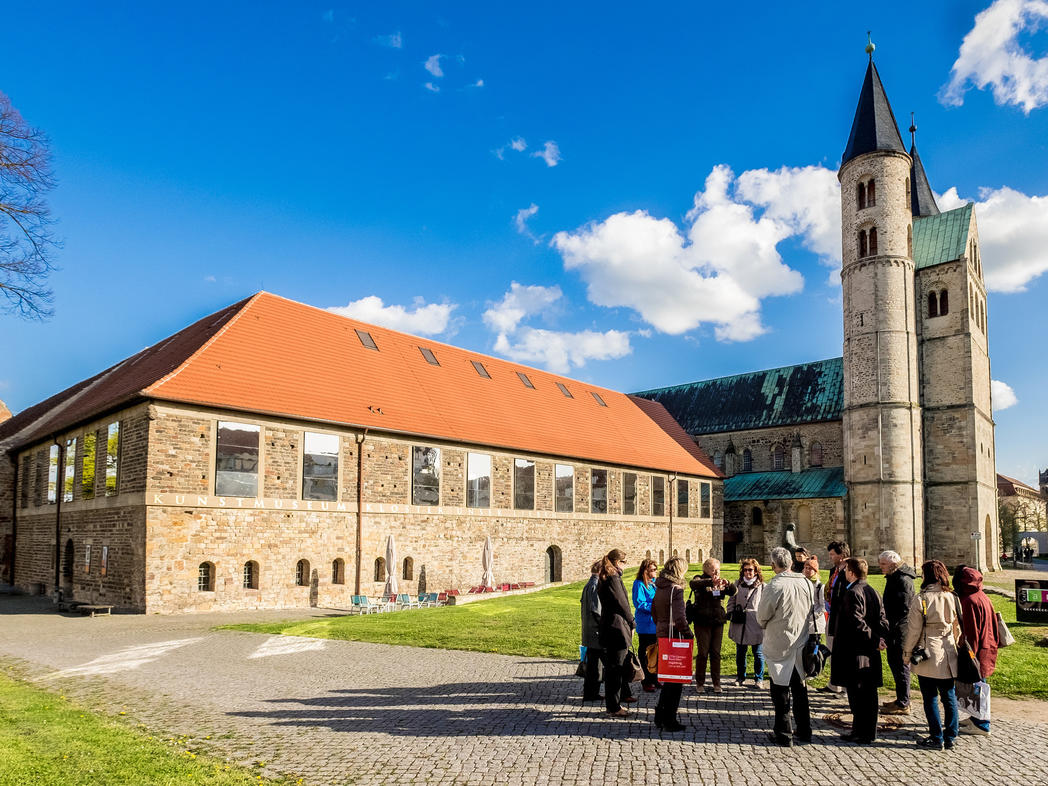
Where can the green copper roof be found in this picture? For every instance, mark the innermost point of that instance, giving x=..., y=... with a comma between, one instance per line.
x=941, y=238
x=807, y=393
x=810, y=484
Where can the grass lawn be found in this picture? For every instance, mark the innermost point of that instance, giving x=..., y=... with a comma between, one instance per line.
x=547, y=624
x=46, y=739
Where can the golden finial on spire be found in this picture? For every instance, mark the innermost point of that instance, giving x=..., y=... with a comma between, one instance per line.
x=870, y=46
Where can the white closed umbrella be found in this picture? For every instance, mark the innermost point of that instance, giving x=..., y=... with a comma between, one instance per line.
x=487, y=560
x=391, y=568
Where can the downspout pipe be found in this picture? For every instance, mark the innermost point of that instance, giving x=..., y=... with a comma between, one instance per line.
x=360, y=508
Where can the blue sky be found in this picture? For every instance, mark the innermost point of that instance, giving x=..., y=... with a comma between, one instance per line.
x=633, y=195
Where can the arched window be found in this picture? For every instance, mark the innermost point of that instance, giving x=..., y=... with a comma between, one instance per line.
x=747, y=461
x=67, y=560
x=907, y=193
x=380, y=569
x=718, y=459
x=778, y=457
x=338, y=571
x=803, y=523
x=862, y=243
x=933, y=305
x=662, y=557
x=687, y=556
x=815, y=454
x=409, y=569
x=251, y=575
x=971, y=303
x=861, y=196
x=871, y=194
x=553, y=564
x=206, y=577
x=647, y=554
x=873, y=240
x=757, y=527
x=909, y=240
x=944, y=303
x=302, y=573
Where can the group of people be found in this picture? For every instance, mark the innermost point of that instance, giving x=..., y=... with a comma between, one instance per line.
x=918, y=629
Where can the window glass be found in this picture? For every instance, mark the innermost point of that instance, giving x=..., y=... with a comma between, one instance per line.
x=523, y=484
x=205, y=577
x=778, y=457
x=112, y=457
x=747, y=460
x=87, y=467
x=658, y=496
x=24, y=495
x=598, y=491
x=425, y=475
x=564, y=479
x=236, y=460
x=682, y=498
x=816, y=454
x=320, y=466
x=251, y=575
x=704, y=500
x=429, y=356
x=629, y=493
x=480, y=369
x=478, y=480
x=564, y=390
x=70, y=470
x=52, y=475
x=524, y=378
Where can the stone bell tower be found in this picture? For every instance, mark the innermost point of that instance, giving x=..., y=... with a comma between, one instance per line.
x=882, y=412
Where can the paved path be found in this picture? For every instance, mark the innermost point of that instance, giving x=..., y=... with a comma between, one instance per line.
x=346, y=712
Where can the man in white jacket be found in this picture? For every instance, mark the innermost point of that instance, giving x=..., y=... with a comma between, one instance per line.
x=783, y=612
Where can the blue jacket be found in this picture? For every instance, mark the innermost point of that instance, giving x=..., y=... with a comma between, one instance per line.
x=643, y=595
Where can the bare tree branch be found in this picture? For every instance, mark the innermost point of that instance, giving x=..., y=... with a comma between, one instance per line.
x=26, y=240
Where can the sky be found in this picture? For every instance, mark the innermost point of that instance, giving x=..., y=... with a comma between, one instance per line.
x=634, y=196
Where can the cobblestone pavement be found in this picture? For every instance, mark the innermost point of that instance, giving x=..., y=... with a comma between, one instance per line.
x=347, y=712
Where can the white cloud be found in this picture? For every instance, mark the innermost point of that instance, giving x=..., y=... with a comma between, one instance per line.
x=991, y=55
x=393, y=40
x=520, y=221
x=1002, y=394
x=478, y=83
x=424, y=320
x=517, y=304
x=1013, y=233
x=518, y=144
x=560, y=351
x=550, y=153
x=432, y=65
x=431, y=87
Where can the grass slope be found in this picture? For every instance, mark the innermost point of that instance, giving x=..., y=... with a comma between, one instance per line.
x=547, y=624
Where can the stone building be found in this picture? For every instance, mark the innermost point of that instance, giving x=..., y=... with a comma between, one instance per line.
x=1025, y=511
x=903, y=420
x=263, y=456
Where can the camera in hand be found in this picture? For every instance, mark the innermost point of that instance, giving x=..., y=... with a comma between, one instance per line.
x=919, y=655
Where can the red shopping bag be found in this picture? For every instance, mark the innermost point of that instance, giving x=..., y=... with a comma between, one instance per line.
x=675, y=660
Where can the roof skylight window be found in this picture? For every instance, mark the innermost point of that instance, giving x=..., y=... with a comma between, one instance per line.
x=598, y=398
x=524, y=378
x=564, y=390
x=480, y=369
x=429, y=356
x=366, y=339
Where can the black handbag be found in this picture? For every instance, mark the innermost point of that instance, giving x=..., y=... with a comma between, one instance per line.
x=691, y=608
x=814, y=654
x=738, y=615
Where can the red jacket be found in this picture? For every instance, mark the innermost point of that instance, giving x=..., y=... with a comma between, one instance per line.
x=980, y=619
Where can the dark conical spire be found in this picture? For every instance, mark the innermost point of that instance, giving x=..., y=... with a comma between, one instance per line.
x=922, y=200
x=874, y=126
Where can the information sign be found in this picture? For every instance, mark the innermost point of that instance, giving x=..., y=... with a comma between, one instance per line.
x=1031, y=600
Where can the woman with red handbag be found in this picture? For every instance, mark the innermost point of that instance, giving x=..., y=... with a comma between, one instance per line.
x=670, y=622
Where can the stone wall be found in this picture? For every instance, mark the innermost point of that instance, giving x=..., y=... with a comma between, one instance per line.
x=824, y=517
x=760, y=442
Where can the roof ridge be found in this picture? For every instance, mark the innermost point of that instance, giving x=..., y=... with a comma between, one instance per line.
x=740, y=374
x=185, y=363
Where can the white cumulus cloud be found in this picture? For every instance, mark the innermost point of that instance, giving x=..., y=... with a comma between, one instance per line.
x=520, y=221
x=519, y=303
x=1003, y=395
x=431, y=87
x=549, y=153
x=1013, y=235
x=991, y=54
x=423, y=319
x=432, y=65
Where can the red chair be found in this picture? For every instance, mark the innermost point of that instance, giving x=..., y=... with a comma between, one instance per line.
x=442, y=598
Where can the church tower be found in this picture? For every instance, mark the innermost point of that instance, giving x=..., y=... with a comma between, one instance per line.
x=882, y=412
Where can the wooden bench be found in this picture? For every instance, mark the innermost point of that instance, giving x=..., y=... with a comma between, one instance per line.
x=94, y=610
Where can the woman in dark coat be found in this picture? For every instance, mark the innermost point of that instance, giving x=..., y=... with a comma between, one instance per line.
x=670, y=622
x=616, y=631
x=710, y=591
x=857, y=644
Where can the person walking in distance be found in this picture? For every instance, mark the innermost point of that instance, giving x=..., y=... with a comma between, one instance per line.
x=591, y=635
x=839, y=552
x=710, y=591
x=670, y=622
x=784, y=613
x=898, y=595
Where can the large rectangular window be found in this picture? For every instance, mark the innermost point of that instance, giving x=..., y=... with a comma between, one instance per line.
x=70, y=470
x=112, y=457
x=658, y=496
x=87, y=467
x=564, y=480
x=320, y=466
x=598, y=491
x=682, y=498
x=236, y=460
x=704, y=500
x=52, y=475
x=629, y=493
x=478, y=480
x=425, y=475
x=523, y=484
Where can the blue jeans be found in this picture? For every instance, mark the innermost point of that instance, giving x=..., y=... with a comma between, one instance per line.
x=758, y=661
x=931, y=691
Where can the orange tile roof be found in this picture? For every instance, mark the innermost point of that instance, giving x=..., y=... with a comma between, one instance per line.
x=275, y=356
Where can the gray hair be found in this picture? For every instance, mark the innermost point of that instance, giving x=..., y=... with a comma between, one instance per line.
x=891, y=557
x=781, y=558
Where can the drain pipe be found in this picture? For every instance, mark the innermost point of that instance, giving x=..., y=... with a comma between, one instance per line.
x=360, y=507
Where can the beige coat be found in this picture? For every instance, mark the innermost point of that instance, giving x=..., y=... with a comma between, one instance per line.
x=934, y=630
x=783, y=611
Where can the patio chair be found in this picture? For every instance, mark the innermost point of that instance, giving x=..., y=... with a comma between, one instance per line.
x=364, y=604
x=405, y=601
x=442, y=598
